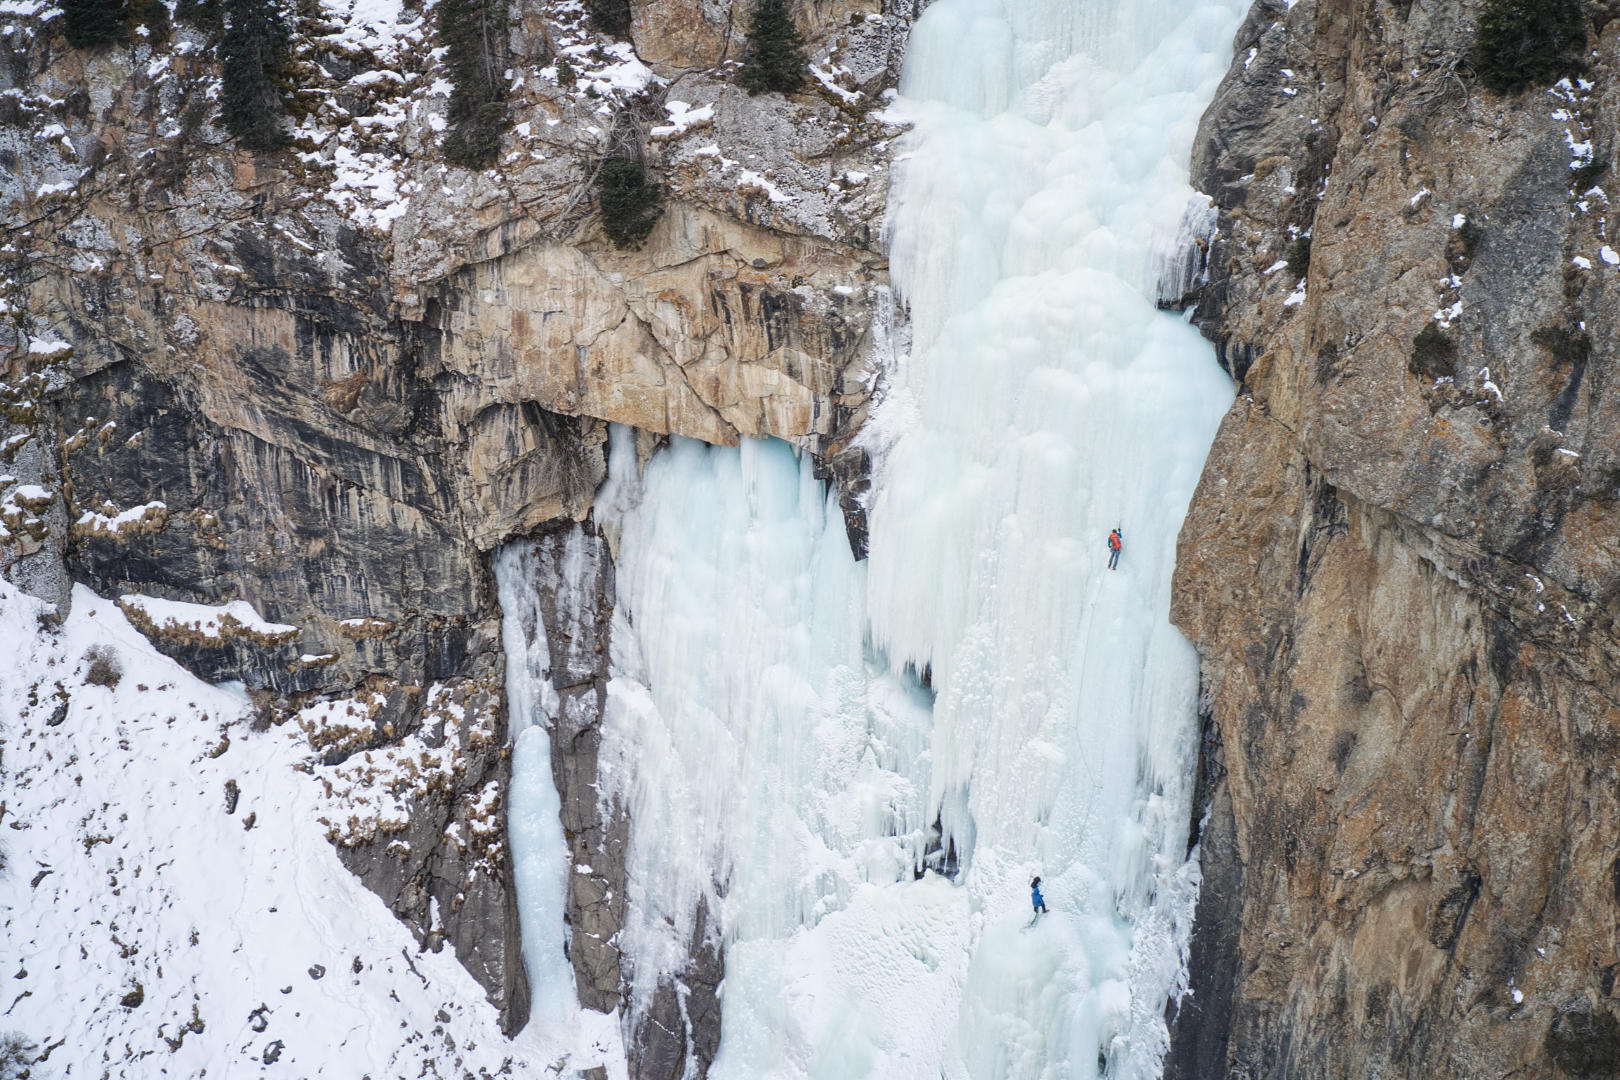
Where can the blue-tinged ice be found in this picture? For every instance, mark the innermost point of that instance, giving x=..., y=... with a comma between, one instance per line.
x=534, y=822
x=782, y=760
x=771, y=766
x=1046, y=400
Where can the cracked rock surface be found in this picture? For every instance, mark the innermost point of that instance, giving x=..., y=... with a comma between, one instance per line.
x=1400, y=567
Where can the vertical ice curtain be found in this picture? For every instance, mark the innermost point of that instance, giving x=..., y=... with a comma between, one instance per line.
x=855, y=769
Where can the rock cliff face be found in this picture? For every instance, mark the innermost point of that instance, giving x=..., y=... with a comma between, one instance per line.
x=329, y=381
x=1400, y=567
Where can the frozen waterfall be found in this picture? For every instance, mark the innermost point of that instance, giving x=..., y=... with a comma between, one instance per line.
x=534, y=830
x=1045, y=400
x=856, y=768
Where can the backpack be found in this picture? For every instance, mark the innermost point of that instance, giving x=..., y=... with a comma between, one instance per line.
x=1113, y=541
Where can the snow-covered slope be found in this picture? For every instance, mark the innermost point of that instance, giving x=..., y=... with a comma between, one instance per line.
x=170, y=904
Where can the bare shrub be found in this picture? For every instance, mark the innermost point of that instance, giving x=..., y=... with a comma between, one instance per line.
x=16, y=1055
x=104, y=667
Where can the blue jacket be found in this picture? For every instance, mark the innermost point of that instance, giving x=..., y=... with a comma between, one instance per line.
x=1035, y=897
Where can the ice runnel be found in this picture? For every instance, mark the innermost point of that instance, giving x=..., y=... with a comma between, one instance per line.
x=534, y=825
x=782, y=769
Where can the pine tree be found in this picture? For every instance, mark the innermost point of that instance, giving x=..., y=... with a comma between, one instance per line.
x=474, y=32
x=629, y=201
x=152, y=14
x=1523, y=43
x=775, y=50
x=257, y=56
x=610, y=16
x=94, y=22
x=203, y=14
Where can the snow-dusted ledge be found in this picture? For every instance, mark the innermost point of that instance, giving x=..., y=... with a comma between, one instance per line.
x=199, y=624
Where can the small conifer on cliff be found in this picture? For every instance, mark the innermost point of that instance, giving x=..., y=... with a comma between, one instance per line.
x=256, y=51
x=206, y=15
x=610, y=16
x=775, y=51
x=87, y=23
x=1524, y=43
x=629, y=201
x=474, y=32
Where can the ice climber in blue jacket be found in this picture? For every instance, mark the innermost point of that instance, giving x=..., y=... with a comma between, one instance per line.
x=1036, y=898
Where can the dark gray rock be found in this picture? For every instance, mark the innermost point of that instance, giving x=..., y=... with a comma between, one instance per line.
x=1585, y=1042
x=1200, y=1022
x=573, y=576
x=458, y=893
x=33, y=551
x=682, y=1026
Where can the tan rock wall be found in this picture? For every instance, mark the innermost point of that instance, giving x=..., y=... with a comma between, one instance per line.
x=703, y=33
x=1400, y=578
x=716, y=329
x=364, y=412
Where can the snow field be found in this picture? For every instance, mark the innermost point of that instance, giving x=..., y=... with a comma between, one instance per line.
x=207, y=620
x=151, y=933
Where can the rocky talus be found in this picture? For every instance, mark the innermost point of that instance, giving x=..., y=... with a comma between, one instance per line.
x=1401, y=566
x=328, y=381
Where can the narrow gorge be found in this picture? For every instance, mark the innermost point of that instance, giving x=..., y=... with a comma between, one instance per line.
x=550, y=563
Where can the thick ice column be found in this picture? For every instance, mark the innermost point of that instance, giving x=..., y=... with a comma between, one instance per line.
x=783, y=765
x=768, y=763
x=534, y=827
x=1045, y=401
